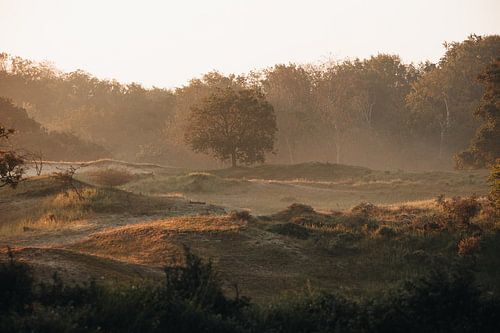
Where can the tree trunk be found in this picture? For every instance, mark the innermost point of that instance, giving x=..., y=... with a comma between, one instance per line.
x=290, y=150
x=445, y=125
x=337, y=144
x=233, y=159
x=337, y=152
x=441, y=141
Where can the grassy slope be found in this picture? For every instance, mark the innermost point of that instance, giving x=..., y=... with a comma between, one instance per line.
x=42, y=203
x=265, y=256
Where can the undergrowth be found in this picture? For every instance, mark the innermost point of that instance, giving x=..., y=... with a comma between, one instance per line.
x=190, y=299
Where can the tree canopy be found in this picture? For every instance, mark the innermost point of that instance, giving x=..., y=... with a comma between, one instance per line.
x=378, y=112
x=11, y=164
x=233, y=124
x=485, y=146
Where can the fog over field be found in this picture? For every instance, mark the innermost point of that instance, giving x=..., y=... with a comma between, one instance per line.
x=237, y=166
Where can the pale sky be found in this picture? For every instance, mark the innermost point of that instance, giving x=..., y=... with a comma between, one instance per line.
x=166, y=43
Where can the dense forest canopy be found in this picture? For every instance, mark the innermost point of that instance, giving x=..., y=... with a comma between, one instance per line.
x=378, y=112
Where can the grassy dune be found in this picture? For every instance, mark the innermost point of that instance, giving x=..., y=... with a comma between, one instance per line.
x=268, y=188
x=42, y=203
x=130, y=232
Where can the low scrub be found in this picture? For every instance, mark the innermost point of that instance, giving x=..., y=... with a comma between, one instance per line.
x=459, y=211
x=190, y=299
x=290, y=229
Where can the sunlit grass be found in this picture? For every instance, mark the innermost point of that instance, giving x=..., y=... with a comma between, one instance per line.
x=61, y=210
x=47, y=205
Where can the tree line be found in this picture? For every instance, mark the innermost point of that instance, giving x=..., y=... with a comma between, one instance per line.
x=379, y=112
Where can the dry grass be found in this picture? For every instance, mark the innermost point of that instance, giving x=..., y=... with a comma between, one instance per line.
x=152, y=243
x=360, y=251
x=44, y=204
x=270, y=188
x=52, y=212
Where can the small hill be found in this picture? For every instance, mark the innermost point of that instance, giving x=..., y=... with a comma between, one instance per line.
x=44, y=204
x=311, y=171
x=195, y=182
x=154, y=243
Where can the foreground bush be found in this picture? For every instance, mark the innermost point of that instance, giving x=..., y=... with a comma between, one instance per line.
x=191, y=300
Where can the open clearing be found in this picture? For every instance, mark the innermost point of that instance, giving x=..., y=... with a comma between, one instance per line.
x=131, y=232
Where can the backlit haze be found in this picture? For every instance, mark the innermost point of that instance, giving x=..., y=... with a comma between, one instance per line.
x=166, y=43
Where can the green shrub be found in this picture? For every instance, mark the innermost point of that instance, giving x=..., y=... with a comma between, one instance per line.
x=441, y=302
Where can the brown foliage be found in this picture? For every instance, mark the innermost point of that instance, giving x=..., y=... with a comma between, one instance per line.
x=459, y=211
x=469, y=245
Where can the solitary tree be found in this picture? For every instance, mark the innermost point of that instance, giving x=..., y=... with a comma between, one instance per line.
x=233, y=124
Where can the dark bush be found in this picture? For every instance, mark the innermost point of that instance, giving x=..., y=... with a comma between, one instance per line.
x=191, y=300
x=16, y=283
x=112, y=177
x=441, y=302
x=291, y=230
x=385, y=231
x=312, y=313
x=240, y=215
x=293, y=211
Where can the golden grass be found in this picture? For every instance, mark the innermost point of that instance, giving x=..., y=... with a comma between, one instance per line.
x=150, y=243
x=204, y=223
x=422, y=204
x=58, y=211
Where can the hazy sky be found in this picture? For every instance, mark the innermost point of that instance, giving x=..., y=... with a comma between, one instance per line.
x=165, y=43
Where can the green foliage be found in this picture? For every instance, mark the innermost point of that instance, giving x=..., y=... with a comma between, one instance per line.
x=443, y=97
x=235, y=125
x=352, y=111
x=11, y=163
x=289, y=88
x=484, y=149
x=11, y=168
x=191, y=300
x=15, y=286
x=441, y=302
x=312, y=313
